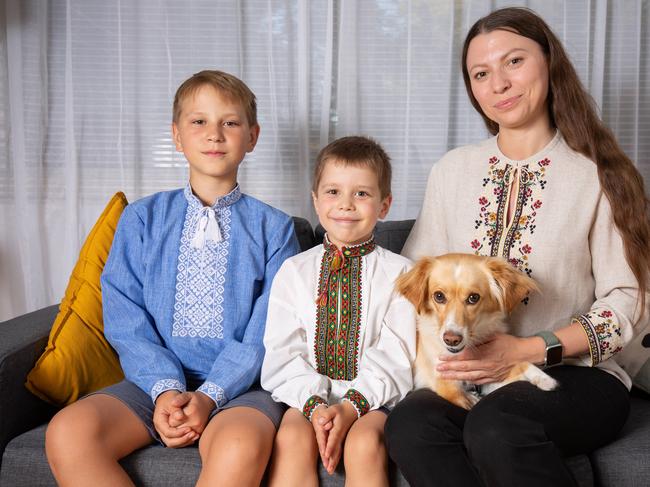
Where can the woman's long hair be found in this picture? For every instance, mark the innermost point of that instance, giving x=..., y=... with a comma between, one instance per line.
x=573, y=112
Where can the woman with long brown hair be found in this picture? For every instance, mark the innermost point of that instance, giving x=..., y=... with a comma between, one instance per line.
x=554, y=194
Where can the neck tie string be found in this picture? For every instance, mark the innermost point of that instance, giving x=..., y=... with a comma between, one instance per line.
x=207, y=228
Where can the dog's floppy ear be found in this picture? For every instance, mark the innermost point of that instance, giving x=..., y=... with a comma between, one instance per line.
x=513, y=284
x=414, y=284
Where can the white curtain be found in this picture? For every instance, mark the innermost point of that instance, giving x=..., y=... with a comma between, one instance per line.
x=86, y=88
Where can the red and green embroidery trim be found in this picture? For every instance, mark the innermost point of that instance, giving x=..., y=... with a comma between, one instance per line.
x=604, y=335
x=494, y=205
x=338, y=310
x=311, y=404
x=358, y=400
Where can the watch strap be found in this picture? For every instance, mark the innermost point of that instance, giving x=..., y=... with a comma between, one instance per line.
x=554, y=345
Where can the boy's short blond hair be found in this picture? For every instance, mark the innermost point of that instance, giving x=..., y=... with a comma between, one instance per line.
x=356, y=151
x=229, y=86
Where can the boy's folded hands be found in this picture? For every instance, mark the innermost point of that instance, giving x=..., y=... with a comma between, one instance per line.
x=191, y=409
x=180, y=418
x=331, y=425
x=322, y=424
x=172, y=437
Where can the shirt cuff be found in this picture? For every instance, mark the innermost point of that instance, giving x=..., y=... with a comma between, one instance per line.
x=604, y=335
x=357, y=400
x=311, y=404
x=166, y=385
x=214, y=392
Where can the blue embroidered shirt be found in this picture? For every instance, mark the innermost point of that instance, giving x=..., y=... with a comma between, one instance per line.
x=186, y=300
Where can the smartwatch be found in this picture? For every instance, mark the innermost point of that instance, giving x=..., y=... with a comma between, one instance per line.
x=553, y=348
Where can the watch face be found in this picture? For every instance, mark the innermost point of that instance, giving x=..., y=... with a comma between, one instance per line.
x=554, y=355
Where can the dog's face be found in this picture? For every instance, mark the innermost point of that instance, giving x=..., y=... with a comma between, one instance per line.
x=462, y=299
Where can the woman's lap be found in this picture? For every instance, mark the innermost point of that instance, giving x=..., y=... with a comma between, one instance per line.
x=426, y=432
x=585, y=412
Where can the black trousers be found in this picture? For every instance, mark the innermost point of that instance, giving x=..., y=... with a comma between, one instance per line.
x=516, y=436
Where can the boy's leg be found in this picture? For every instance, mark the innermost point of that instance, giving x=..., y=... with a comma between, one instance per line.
x=235, y=447
x=366, y=461
x=295, y=453
x=85, y=440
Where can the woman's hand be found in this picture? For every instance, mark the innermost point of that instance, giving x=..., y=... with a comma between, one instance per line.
x=491, y=361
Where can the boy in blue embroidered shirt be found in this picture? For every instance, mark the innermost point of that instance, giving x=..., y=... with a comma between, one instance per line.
x=185, y=291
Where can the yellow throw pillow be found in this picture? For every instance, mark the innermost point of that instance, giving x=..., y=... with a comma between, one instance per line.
x=78, y=359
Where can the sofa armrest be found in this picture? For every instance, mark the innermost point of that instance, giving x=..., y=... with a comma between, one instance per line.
x=22, y=340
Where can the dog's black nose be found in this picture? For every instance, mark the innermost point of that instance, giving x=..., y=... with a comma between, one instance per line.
x=452, y=339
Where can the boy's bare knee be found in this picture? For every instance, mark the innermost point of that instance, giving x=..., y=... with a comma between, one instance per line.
x=236, y=444
x=55, y=437
x=366, y=444
x=293, y=438
x=59, y=429
x=236, y=458
x=68, y=434
x=78, y=429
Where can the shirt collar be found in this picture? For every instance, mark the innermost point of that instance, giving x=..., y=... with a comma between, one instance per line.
x=358, y=250
x=229, y=199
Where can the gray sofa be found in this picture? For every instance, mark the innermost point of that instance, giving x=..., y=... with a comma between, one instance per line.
x=23, y=417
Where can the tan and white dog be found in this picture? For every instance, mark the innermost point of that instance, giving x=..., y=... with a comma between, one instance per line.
x=461, y=301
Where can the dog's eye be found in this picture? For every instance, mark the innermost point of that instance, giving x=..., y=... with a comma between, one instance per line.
x=473, y=298
x=439, y=297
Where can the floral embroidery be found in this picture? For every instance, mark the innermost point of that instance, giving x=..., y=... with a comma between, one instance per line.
x=311, y=404
x=358, y=400
x=166, y=385
x=604, y=334
x=216, y=393
x=200, y=278
x=338, y=310
x=494, y=237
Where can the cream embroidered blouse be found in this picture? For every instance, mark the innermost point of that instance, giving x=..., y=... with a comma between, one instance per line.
x=358, y=344
x=559, y=231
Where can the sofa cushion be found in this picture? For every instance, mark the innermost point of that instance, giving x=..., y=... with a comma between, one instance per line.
x=624, y=462
x=25, y=465
x=78, y=359
x=642, y=378
x=392, y=235
x=304, y=233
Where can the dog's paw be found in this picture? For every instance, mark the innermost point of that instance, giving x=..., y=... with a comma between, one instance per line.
x=465, y=401
x=545, y=382
x=539, y=378
x=472, y=399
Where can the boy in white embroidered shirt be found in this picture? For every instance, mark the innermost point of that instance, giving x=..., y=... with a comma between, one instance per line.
x=339, y=342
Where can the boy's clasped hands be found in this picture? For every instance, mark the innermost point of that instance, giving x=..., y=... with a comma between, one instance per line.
x=331, y=425
x=181, y=417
